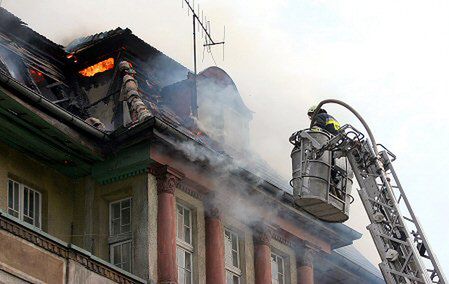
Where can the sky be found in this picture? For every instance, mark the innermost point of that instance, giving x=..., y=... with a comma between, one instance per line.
x=387, y=59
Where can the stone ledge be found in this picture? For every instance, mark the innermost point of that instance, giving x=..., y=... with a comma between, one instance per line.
x=65, y=250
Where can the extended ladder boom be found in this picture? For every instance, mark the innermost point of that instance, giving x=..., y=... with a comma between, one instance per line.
x=399, y=238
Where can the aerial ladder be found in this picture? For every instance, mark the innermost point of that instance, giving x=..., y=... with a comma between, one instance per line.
x=323, y=169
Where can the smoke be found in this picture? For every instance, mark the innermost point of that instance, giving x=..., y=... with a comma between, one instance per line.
x=222, y=114
x=234, y=184
x=164, y=70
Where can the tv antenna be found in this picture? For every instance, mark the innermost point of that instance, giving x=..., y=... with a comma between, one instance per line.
x=200, y=23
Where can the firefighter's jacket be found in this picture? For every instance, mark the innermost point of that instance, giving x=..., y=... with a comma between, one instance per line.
x=326, y=122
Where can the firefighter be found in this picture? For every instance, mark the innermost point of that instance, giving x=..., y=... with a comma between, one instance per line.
x=324, y=121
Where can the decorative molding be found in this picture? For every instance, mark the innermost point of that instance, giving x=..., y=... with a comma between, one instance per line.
x=278, y=236
x=167, y=184
x=190, y=190
x=126, y=163
x=130, y=173
x=67, y=251
x=167, y=179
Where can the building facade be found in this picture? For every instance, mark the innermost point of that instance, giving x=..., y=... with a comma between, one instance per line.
x=105, y=175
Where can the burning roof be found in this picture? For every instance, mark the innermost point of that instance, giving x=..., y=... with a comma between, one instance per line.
x=84, y=78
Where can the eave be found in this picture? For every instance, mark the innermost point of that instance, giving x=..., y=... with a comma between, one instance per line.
x=43, y=135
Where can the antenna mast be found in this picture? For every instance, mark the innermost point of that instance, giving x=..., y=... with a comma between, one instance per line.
x=203, y=24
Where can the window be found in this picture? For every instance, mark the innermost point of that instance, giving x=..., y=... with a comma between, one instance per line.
x=277, y=269
x=24, y=203
x=120, y=240
x=121, y=255
x=232, y=257
x=184, y=249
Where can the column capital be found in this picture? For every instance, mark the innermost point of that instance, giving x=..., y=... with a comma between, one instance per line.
x=262, y=234
x=306, y=256
x=167, y=178
x=211, y=210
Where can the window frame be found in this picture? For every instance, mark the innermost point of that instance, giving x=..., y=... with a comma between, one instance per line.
x=182, y=244
x=233, y=270
x=121, y=243
x=120, y=238
x=284, y=274
x=190, y=253
x=21, y=196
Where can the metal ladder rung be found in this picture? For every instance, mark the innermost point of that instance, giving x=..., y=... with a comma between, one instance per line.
x=393, y=239
x=380, y=203
x=406, y=260
x=408, y=276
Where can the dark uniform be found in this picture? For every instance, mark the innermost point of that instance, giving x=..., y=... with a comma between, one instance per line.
x=326, y=122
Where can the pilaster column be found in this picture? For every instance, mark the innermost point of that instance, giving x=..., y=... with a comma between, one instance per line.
x=167, y=182
x=304, y=265
x=215, y=254
x=262, y=255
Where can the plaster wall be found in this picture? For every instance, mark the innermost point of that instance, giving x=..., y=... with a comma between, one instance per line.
x=28, y=262
x=58, y=191
x=152, y=225
x=137, y=188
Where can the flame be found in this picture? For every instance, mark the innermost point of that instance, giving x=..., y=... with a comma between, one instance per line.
x=38, y=77
x=101, y=66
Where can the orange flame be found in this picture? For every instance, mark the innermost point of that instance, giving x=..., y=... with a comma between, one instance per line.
x=38, y=77
x=101, y=66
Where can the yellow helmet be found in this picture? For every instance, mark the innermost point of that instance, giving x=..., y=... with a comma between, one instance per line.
x=311, y=110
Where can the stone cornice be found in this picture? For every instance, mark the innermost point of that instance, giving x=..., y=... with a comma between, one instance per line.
x=65, y=250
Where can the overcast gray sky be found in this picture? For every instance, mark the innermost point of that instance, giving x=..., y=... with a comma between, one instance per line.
x=388, y=59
